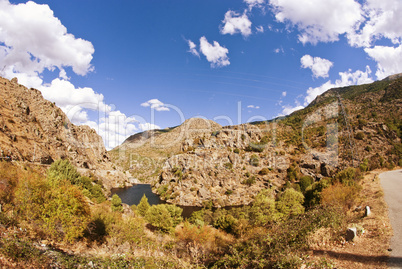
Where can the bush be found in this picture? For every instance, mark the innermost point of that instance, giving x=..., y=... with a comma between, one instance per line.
x=236, y=150
x=264, y=171
x=143, y=206
x=305, y=182
x=59, y=210
x=290, y=203
x=249, y=181
x=263, y=210
x=63, y=169
x=360, y=136
x=164, y=217
x=116, y=203
x=226, y=223
x=347, y=176
x=340, y=196
x=364, y=166
x=254, y=160
x=313, y=193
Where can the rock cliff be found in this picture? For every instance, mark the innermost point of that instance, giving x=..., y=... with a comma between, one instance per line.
x=35, y=130
x=202, y=162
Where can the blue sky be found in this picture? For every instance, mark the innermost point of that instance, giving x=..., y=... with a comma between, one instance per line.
x=127, y=66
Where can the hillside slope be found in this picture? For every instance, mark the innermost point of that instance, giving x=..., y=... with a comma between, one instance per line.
x=34, y=130
x=356, y=126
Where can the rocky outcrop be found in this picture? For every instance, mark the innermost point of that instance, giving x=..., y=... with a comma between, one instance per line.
x=35, y=130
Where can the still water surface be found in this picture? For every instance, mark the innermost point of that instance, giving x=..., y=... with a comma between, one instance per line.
x=133, y=195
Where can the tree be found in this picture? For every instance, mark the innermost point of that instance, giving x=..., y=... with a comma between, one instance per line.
x=143, y=206
x=116, y=203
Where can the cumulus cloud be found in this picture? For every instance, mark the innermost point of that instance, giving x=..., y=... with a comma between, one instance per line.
x=317, y=20
x=254, y=3
x=288, y=109
x=320, y=67
x=155, y=104
x=346, y=78
x=148, y=126
x=215, y=54
x=284, y=94
x=235, y=23
x=193, y=48
x=383, y=20
x=33, y=39
x=387, y=59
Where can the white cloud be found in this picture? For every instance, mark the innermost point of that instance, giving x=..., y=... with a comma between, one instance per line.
x=284, y=94
x=155, y=104
x=346, y=79
x=319, y=20
x=260, y=29
x=64, y=94
x=193, y=48
x=215, y=54
x=383, y=20
x=279, y=50
x=287, y=109
x=32, y=40
x=387, y=58
x=254, y=3
x=235, y=23
x=148, y=126
x=253, y=106
x=320, y=67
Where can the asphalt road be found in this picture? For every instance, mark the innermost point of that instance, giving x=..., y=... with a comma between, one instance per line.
x=392, y=184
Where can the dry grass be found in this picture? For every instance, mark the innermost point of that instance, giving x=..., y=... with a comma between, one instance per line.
x=370, y=249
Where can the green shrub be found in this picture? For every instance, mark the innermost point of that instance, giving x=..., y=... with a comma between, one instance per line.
x=264, y=171
x=305, y=182
x=63, y=169
x=164, y=217
x=254, y=160
x=18, y=250
x=59, y=210
x=360, y=136
x=228, y=165
x=290, y=203
x=312, y=193
x=236, y=150
x=116, y=203
x=263, y=210
x=143, y=206
x=226, y=223
x=347, y=176
x=364, y=166
x=249, y=181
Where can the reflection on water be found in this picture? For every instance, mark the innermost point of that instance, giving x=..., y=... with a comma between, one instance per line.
x=133, y=195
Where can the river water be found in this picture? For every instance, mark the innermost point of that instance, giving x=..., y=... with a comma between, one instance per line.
x=133, y=195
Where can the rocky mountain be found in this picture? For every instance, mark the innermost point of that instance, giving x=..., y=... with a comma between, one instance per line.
x=35, y=130
x=202, y=162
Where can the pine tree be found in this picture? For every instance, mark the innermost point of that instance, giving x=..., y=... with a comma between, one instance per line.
x=143, y=206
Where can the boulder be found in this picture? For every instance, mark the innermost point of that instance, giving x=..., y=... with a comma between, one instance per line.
x=351, y=234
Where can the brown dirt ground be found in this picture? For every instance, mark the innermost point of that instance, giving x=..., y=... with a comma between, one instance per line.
x=370, y=249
